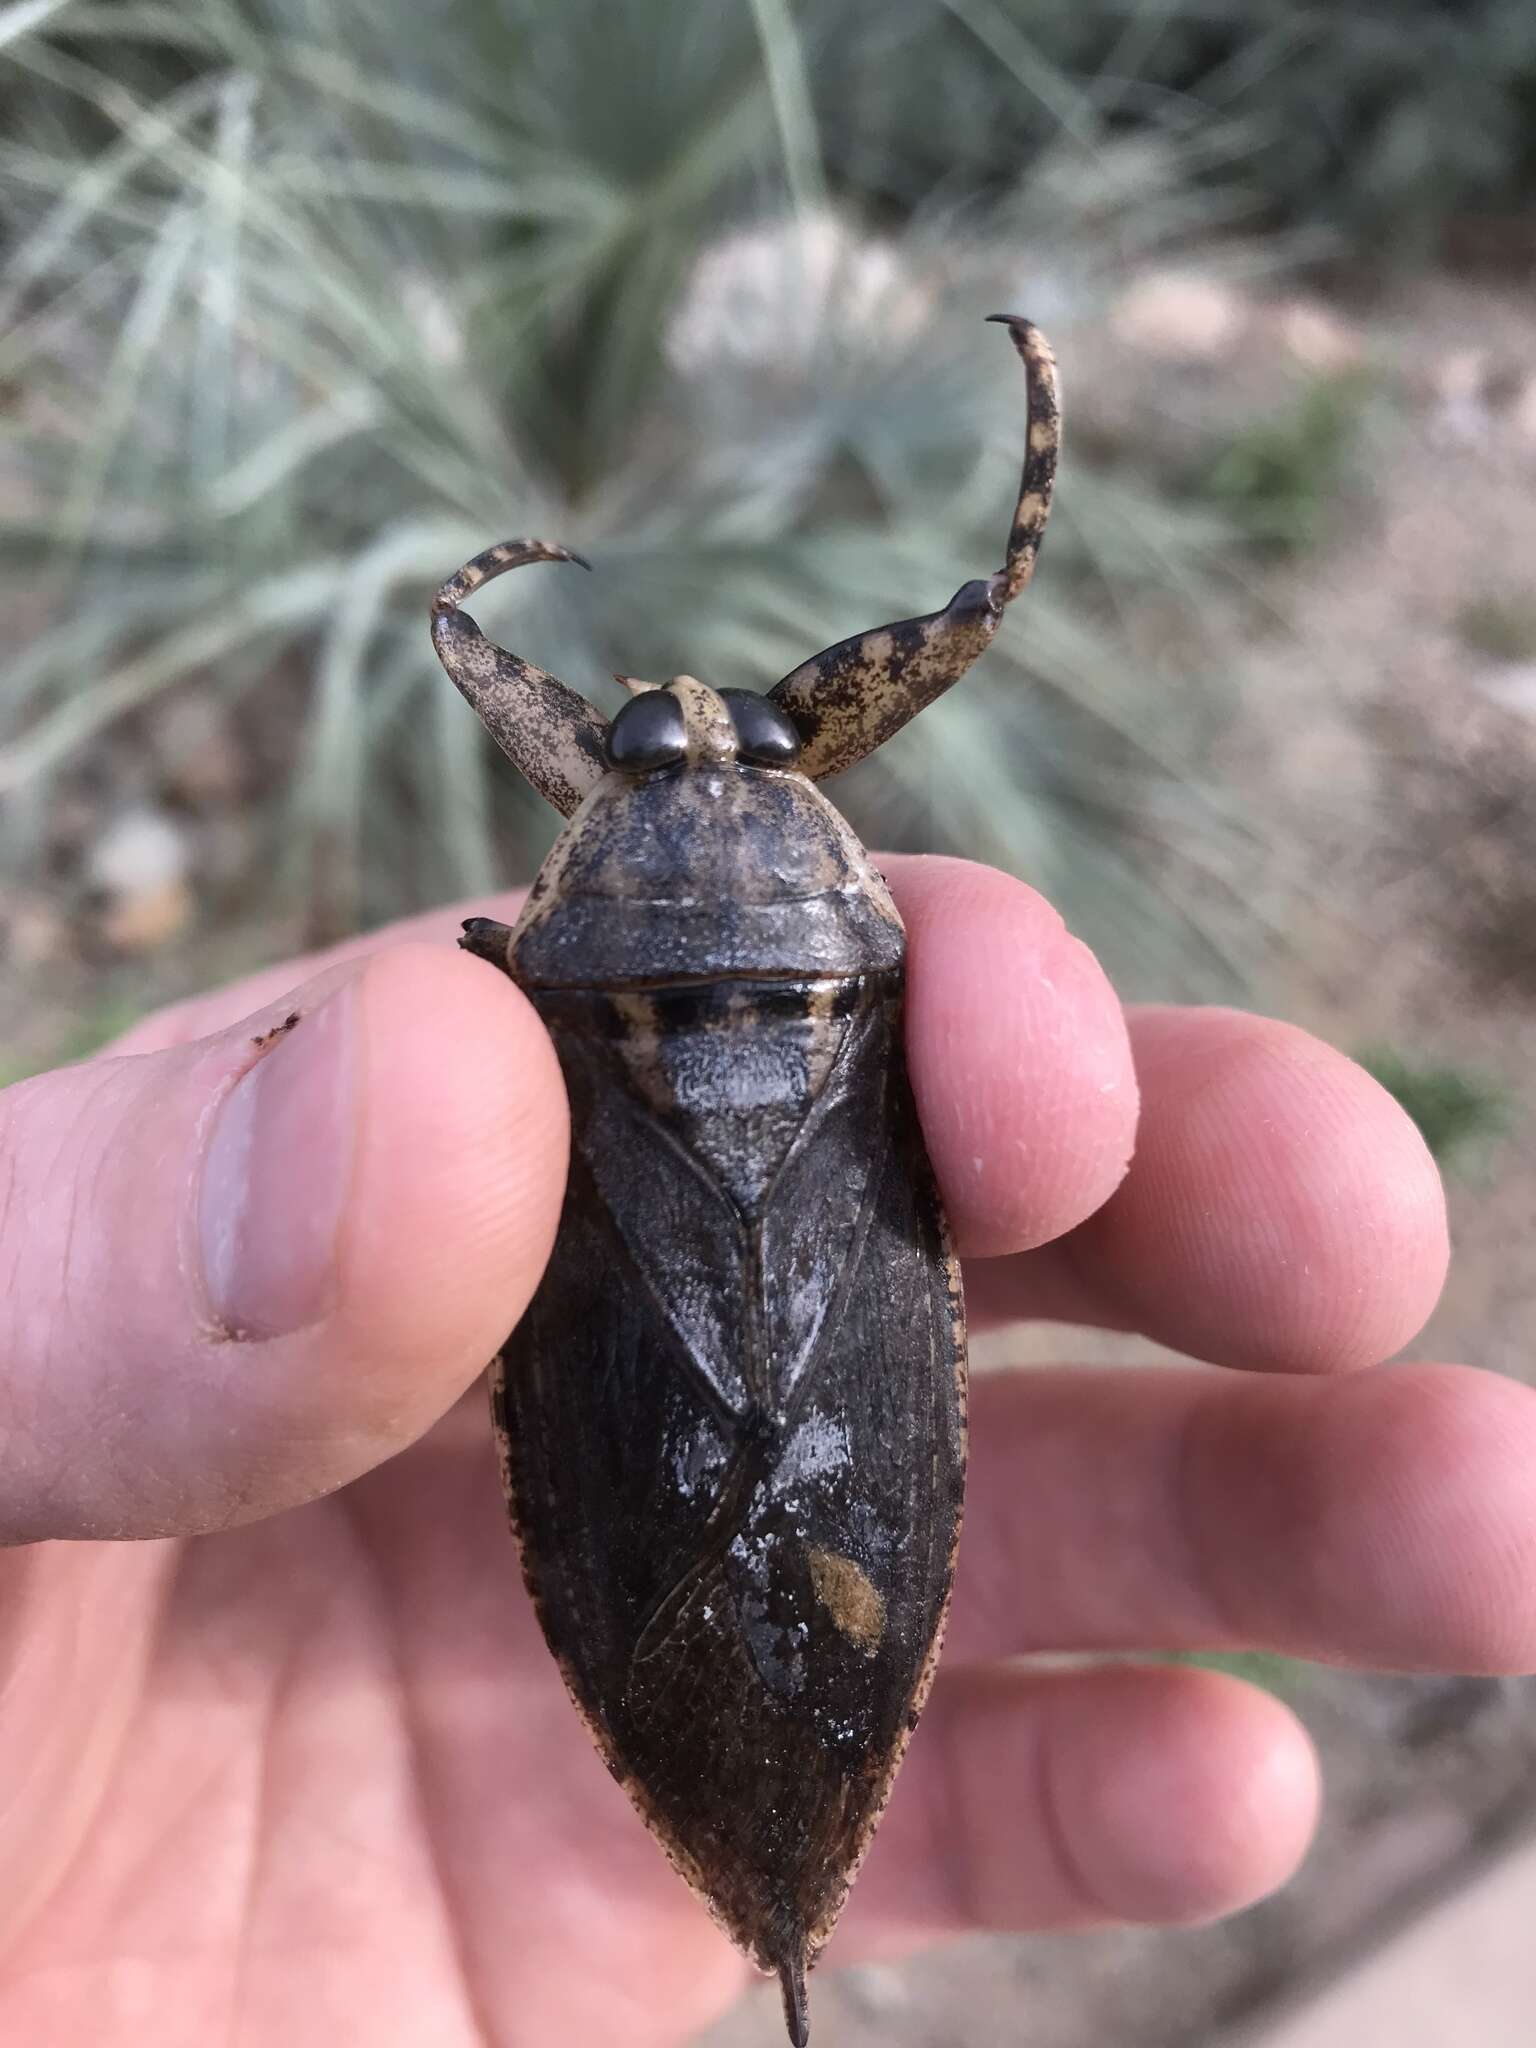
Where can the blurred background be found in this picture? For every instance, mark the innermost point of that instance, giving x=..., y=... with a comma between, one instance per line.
x=302, y=304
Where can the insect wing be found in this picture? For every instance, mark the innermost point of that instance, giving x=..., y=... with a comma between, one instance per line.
x=741, y=1557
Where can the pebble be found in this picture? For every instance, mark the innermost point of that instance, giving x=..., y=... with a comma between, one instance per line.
x=35, y=933
x=140, y=865
x=140, y=849
x=201, y=761
x=1318, y=338
x=770, y=297
x=145, y=922
x=1182, y=316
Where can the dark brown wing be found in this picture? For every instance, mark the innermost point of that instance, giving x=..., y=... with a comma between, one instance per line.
x=745, y=1595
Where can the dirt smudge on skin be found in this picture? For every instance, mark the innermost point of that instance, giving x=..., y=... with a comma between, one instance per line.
x=265, y=1038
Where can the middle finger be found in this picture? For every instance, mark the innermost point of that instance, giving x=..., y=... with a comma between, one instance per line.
x=1281, y=1210
x=1385, y=1518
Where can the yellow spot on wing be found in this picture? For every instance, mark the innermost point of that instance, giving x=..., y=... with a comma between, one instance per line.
x=848, y=1596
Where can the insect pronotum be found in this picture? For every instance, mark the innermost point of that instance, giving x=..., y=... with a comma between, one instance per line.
x=732, y=1421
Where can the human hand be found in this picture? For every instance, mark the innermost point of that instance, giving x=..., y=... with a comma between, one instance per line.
x=299, y=1769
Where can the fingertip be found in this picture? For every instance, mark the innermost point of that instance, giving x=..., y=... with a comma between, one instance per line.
x=1429, y=1484
x=1470, y=1458
x=460, y=1169
x=1148, y=1794
x=1020, y=1057
x=291, y=1244
x=1182, y=1794
x=1284, y=1211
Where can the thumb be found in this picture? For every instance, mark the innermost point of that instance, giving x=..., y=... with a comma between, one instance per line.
x=238, y=1273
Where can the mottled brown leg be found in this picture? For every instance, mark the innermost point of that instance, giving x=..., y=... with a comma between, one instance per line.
x=848, y=699
x=552, y=735
x=487, y=940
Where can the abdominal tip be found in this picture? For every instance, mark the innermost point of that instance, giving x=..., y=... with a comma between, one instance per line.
x=796, y=2015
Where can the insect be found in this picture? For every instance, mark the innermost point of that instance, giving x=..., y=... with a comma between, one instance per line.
x=732, y=1420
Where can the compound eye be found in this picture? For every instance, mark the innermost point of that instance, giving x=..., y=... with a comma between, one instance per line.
x=649, y=732
x=763, y=733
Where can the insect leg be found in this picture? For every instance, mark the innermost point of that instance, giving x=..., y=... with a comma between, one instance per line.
x=487, y=940
x=849, y=698
x=548, y=732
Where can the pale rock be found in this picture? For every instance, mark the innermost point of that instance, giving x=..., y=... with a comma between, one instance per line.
x=1182, y=316
x=141, y=849
x=35, y=933
x=1462, y=382
x=148, y=920
x=193, y=738
x=140, y=864
x=1318, y=338
x=771, y=296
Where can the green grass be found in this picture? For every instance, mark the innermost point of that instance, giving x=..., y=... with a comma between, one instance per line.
x=98, y=1023
x=1280, y=481
x=307, y=304
x=304, y=303
x=1499, y=625
x=1372, y=131
x=1456, y=1109
x=1288, y=1678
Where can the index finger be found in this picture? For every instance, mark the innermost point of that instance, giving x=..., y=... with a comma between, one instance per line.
x=1280, y=1211
x=1017, y=1044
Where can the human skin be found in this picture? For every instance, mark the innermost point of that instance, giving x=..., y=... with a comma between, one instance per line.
x=294, y=1765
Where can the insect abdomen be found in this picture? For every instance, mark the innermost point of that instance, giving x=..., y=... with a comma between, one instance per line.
x=734, y=1415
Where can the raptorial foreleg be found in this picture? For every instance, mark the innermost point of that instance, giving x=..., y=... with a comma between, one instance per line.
x=547, y=731
x=849, y=698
